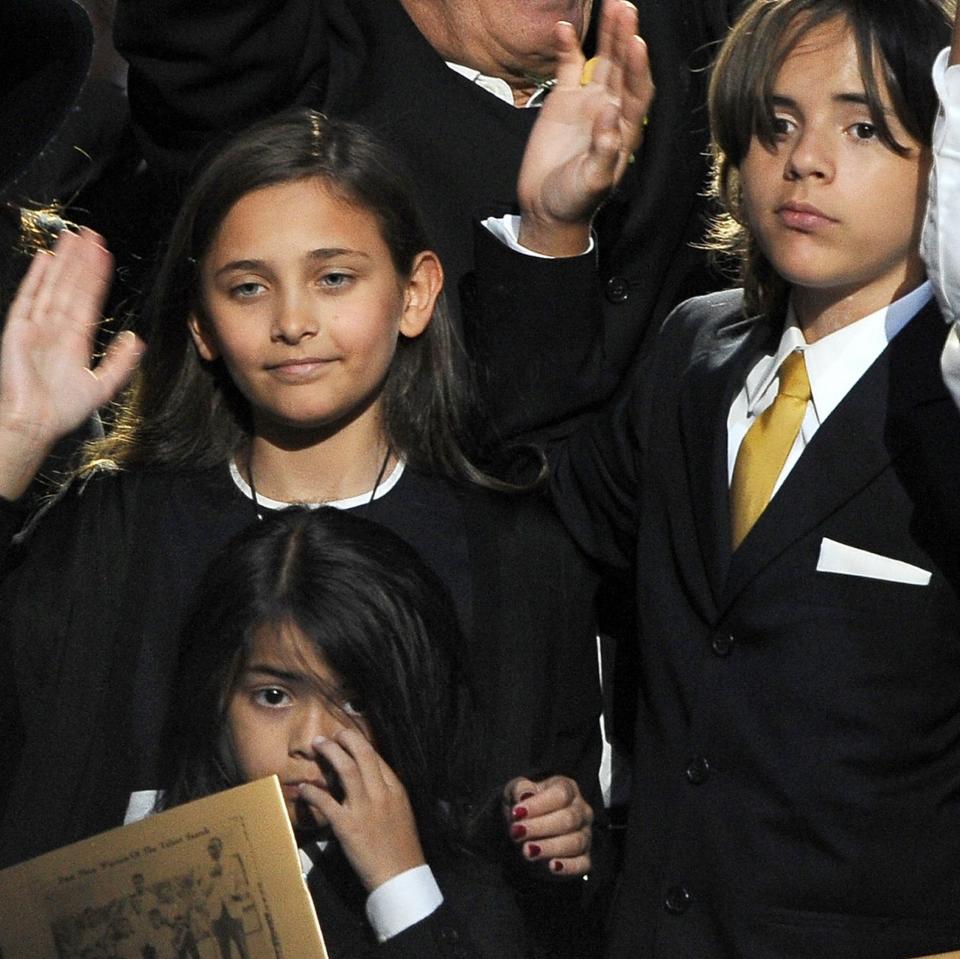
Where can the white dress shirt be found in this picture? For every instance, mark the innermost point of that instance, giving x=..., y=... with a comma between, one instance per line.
x=834, y=364
x=940, y=244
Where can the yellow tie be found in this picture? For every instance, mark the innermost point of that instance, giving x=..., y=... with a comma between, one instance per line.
x=766, y=446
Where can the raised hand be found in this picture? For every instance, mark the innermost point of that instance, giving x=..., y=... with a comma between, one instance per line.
x=585, y=134
x=48, y=384
x=374, y=822
x=551, y=823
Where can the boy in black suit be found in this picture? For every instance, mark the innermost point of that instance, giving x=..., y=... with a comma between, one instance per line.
x=779, y=474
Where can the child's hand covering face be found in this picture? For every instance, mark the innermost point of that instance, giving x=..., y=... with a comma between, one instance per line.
x=374, y=821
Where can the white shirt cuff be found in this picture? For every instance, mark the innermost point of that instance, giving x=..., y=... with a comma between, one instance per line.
x=402, y=901
x=507, y=230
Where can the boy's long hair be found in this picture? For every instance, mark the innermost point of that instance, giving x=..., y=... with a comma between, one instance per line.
x=376, y=615
x=897, y=42
x=185, y=412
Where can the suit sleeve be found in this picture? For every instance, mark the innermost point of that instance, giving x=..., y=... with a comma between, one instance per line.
x=199, y=69
x=536, y=328
x=535, y=331
x=12, y=517
x=478, y=919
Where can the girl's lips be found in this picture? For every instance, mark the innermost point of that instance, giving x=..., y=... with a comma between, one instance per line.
x=295, y=370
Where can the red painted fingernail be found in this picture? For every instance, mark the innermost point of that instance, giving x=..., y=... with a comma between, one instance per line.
x=519, y=812
x=532, y=850
x=527, y=795
x=518, y=831
x=556, y=865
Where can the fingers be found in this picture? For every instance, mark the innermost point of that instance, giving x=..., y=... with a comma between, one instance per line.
x=551, y=823
x=23, y=304
x=120, y=361
x=374, y=821
x=356, y=762
x=74, y=285
x=622, y=69
x=569, y=55
x=636, y=91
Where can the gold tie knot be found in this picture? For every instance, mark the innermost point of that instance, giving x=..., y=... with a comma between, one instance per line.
x=793, y=377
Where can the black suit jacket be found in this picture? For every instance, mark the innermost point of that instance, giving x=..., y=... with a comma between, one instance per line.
x=796, y=787
x=478, y=918
x=201, y=71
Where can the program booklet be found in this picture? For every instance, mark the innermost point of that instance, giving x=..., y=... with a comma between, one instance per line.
x=213, y=877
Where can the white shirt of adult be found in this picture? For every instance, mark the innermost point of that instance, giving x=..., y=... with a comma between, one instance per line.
x=940, y=244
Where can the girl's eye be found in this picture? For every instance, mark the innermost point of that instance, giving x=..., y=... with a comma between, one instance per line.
x=335, y=281
x=244, y=291
x=863, y=131
x=271, y=696
x=781, y=126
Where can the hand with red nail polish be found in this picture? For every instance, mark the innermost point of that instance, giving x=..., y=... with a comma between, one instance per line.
x=551, y=822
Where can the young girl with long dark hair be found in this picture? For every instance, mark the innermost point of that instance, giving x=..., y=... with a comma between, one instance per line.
x=296, y=355
x=321, y=650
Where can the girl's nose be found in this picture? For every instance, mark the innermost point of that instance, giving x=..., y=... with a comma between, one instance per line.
x=311, y=722
x=295, y=319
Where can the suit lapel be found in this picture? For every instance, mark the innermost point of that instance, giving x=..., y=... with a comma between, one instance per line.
x=859, y=439
x=716, y=373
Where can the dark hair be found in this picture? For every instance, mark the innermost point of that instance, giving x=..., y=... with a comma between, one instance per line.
x=378, y=616
x=182, y=410
x=900, y=37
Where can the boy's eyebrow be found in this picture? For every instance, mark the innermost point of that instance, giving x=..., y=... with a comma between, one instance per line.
x=858, y=98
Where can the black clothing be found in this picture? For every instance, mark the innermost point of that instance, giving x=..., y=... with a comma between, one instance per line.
x=795, y=779
x=91, y=609
x=202, y=71
x=478, y=918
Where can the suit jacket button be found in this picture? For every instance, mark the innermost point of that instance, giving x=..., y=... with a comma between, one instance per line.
x=677, y=901
x=722, y=645
x=698, y=771
x=618, y=289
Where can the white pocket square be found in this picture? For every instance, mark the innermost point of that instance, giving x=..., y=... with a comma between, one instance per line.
x=839, y=558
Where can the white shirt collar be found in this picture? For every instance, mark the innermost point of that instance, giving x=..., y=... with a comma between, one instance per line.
x=838, y=360
x=350, y=502
x=497, y=85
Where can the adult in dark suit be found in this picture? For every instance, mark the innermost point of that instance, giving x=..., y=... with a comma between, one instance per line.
x=798, y=740
x=201, y=70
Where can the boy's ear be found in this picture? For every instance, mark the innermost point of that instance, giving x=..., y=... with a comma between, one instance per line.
x=203, y=339
x=420, y=293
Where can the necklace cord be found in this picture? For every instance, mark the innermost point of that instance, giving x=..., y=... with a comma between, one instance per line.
x=258, y=509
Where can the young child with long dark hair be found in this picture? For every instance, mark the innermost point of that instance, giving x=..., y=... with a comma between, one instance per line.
x=781, y=476
x=321, y=650
x=297, y=354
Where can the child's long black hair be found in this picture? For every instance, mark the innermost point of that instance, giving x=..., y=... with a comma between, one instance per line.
x=379, y=618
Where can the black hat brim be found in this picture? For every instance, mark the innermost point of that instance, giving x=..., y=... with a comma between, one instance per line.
x=45, y=51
